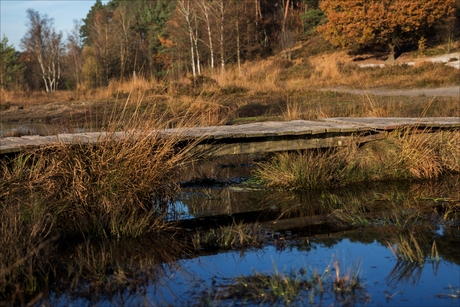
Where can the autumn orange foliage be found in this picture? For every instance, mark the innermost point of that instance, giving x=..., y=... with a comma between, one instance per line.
x=388, y=22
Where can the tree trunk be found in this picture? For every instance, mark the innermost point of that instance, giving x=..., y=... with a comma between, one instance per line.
x=59, y=71
x=121, y=62
x=46, y=84
x=284, y=35
x=76, y=71
x=42, y=67
x=391, y=56
x=257, y=16
x=196, y=48
x=222, y=59
x=192, y=53
x=238, y=43
x=285, y=16
x=106, y=56
x=186, y=13
x=208, y=26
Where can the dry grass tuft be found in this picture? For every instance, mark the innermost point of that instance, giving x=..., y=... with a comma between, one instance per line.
x=328, y=68
x=121, y=186
x=400, y=156
x=293, y=111
x=260, y=76
x=113, y=187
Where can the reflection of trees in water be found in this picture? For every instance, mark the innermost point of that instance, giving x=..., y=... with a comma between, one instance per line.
x=114, y=272
x=204, y=201
x=221, y=169
x=369, y=200
x=404, y=272
x=308, y=246
x=448, y=243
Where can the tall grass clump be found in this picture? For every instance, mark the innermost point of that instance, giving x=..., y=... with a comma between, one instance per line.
x=399, y=156
x=259, y=76
x=120, y=186
x=112, y=187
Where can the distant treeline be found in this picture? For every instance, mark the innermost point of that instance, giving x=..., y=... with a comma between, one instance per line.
x=170, y=38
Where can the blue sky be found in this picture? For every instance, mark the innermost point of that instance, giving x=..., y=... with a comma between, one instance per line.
x=13, y=15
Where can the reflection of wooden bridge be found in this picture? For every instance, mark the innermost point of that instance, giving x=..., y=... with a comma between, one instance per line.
x=261, y=137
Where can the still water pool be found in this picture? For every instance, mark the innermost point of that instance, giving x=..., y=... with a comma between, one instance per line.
x=385, y=281
x=388, y=244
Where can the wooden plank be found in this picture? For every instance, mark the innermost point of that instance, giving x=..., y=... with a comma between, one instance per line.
x=253, y=137
x=270, y=146
x=391, y=123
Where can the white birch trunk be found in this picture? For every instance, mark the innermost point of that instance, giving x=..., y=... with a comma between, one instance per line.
x=196, y=48
x=205, y=9
x=192, y=53
x=222, y=59
x=186, y=13
x=238, y=45
x=238, y=57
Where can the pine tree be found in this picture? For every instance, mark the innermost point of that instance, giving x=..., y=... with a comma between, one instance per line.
x=10, y=69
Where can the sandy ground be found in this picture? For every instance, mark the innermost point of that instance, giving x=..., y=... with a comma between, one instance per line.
x=450, y=59
x=450, y=91
x=65, y=113
x=45, y=113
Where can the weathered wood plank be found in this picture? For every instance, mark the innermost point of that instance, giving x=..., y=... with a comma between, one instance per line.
x=391, y=123
x=253, y=137
x=281, y=144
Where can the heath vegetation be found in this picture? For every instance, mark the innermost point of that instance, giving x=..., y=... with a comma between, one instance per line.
x=399, y=156
x=142, y=66
x=188, y=56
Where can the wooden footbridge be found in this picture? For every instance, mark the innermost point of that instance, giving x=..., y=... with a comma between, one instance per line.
x=259, y=137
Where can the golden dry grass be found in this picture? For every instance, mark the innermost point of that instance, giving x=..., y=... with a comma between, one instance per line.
x=273, y=74
x=260, y=76
x=267, y=89
x=405, y=156
x=115, y=187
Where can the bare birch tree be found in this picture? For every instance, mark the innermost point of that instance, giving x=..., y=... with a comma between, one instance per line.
x=186, y=12
x=45, y=44
x=195, y=39
x=102, y=40
x=124, y=22
x=74, y=49
x=206, y=9
x=221, y=10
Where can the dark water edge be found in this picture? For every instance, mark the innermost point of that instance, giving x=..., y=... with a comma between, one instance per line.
x=305, y=235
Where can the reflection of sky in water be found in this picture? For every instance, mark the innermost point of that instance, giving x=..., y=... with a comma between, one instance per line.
x=178, y=211
x=376, y=264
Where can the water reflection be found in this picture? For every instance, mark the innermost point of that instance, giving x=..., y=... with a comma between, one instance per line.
x=162, y=270
x=376, y=263
x=158, y=271
x=114, y=272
